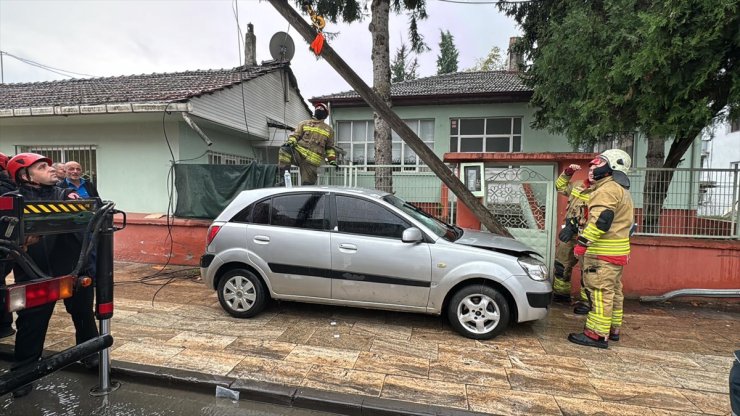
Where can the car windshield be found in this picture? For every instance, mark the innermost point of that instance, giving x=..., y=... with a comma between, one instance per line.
x=440, y=228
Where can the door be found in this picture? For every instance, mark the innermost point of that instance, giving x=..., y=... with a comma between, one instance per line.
x=289, y=238
x=370, y=263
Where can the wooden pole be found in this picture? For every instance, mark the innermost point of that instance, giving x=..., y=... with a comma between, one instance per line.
x=407, y=135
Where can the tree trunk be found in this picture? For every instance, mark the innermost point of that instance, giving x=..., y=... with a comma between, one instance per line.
x=380, y=10
x=658, y=181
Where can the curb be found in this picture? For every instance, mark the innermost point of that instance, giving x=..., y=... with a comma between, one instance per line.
x=299, y=397
x=273, y=393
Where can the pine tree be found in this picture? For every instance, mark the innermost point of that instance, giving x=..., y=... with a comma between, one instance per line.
x=403, y=68
x=448, y=54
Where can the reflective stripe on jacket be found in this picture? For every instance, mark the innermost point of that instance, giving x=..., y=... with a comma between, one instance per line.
x=578, y=195
x=315, y=141
x=609, y=195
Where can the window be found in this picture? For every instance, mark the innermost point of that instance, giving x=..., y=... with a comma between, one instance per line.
x=622, y=140
x=356, y=138
x=358, y=216
x=299, y=211
x=85, y=155
x=495, y=134
x=216, y=158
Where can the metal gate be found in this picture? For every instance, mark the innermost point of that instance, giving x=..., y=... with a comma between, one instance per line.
x=523, y=201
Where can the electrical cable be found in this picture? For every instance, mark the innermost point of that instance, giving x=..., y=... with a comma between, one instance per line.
x=62, y=72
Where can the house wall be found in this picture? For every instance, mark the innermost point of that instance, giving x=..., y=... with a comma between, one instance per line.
x=263, y=96
x=132, y=155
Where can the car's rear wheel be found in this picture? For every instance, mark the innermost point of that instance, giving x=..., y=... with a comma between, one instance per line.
x=478, y=312
x=241, y=293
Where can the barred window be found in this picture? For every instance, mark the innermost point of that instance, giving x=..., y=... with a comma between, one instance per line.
x=216, y=158
x=495, y=134
x=85, y=155
x=357, y=140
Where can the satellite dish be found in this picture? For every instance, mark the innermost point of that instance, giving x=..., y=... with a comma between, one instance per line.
x=282, y=47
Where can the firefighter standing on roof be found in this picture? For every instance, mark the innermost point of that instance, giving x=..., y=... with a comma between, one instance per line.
x=604, y=245
x=308, y=146
x=575, y=217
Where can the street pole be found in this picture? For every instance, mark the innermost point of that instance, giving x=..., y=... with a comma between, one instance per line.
x=406, y=134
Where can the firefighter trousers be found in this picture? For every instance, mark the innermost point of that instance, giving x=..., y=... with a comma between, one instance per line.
x=603, y=281
x=288, y=156
x=565, y=260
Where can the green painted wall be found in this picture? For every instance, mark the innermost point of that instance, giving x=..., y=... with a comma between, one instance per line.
x=132, y=155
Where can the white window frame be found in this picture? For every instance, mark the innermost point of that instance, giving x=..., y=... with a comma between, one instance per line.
x=484, y=135
x=366, y=144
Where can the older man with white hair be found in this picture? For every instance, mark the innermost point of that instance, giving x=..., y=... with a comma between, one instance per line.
x=74, y=180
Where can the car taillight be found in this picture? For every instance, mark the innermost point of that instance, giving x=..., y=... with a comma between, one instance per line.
x=28, y=295
x=212, y=231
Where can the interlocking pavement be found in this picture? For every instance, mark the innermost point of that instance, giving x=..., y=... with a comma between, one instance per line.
x=673, y=359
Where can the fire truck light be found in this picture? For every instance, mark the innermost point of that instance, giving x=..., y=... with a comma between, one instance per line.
x=29, y=295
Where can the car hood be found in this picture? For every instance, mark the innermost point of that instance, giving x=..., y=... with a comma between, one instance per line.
x=494, y=242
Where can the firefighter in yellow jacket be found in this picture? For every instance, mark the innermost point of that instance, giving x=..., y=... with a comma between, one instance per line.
x=604, y=245
x=308, y=146
x=575, y=217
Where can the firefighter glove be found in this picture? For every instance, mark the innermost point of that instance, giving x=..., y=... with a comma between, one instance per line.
x=579, y=250
x=291, y=141
x=334, y=163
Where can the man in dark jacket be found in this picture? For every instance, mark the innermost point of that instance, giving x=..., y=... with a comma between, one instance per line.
x=6, y=185
x=55, y=255
x=735, y=385
x=74, y=180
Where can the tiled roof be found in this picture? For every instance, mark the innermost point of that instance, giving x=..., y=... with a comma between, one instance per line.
x=457, y=84
x=151, y=88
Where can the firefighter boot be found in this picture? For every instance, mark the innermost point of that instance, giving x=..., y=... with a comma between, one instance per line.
x=614, y=334
x=588, y=338
x=7, y=332
x=557, y=297
x=581, y=308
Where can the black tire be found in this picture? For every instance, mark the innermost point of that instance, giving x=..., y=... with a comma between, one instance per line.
x=487, y=321
x=241, y=293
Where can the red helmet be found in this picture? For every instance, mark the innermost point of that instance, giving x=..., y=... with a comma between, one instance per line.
x=24, y=160
x=3, y=161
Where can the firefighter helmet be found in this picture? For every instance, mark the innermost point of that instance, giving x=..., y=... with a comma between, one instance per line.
x=3, y=161
x=24, y=160
x=321, y=111
x=617, y=159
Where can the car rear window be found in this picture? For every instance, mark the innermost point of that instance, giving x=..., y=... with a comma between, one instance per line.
x=299, y=211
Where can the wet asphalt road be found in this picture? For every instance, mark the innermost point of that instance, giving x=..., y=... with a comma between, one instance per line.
x=68, y=393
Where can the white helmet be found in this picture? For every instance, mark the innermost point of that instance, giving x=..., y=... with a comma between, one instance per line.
x=617, y=159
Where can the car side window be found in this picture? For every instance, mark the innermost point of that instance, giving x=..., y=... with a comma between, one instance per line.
x=300, y=211
x=360, y=216
x=261, y=212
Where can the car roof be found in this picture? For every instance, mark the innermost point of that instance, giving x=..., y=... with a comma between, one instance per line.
x=245, y=198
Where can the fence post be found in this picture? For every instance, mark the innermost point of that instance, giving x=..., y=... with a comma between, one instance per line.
x=736, y=201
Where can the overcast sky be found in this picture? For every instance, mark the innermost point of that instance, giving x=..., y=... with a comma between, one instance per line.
x=111, y=38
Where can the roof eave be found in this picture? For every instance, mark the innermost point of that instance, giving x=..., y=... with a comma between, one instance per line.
x=436, y=99
x=118, y=108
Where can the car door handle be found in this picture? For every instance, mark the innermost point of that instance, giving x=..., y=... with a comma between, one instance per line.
x=261, y=239
x=347, y=248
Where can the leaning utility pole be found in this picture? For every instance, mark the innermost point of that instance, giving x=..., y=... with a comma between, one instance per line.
x=407, y=135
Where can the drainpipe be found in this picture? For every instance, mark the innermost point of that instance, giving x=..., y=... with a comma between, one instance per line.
x=703, y=293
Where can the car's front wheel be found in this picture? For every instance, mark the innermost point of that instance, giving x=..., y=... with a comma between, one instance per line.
x=241, y=293
x=478, y=312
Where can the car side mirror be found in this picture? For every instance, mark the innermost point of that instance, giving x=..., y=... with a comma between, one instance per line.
x=411, y=235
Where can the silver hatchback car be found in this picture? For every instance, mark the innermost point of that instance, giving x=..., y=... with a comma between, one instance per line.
x=369, y=249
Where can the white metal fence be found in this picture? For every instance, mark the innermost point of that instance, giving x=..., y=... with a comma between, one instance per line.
x=699, y=203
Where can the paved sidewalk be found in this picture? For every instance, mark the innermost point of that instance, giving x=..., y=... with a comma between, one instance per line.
x=672, y=360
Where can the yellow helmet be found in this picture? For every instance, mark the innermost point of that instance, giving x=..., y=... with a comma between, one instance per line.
x=617, y=159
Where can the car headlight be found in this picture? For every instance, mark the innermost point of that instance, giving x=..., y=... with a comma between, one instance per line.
x=535, y=269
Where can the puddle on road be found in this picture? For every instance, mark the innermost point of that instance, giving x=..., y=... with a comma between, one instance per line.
x=67, y=393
